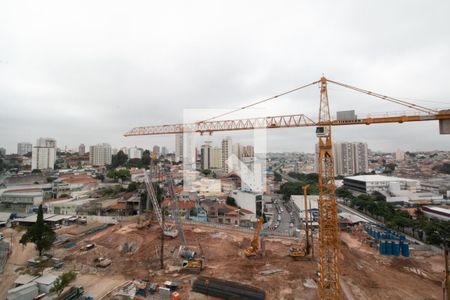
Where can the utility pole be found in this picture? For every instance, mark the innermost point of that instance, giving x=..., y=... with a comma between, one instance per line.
x=162, y=239
x=305, y=196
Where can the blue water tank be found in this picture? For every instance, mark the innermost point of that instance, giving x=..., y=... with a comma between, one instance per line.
x=396, y=248
x=405, y=249
x=402, y=237
x=388, y=247
x=382, y=248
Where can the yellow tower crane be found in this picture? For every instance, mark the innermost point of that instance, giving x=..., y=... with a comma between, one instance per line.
x=329, y=287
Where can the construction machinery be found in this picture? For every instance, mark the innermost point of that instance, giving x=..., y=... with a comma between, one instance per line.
x=191, y=264
x=328, y=222
x=254, y=246
x=168, y=231
x=304, y=250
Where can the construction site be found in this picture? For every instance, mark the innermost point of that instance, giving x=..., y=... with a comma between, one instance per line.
x=135, y=255
x=147, y=256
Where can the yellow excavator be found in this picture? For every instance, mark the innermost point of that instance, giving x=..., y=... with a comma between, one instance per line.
x=253, y=249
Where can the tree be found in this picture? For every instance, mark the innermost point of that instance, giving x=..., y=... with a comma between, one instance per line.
x=146, y=158
x=62, y=281
x=132, y=187
x=444, y=168
x=119, y=159
x=119, y=174
x=41, y=234
x=231, y=201
x=134, y=163
x=36, y=171
x=50, y=179
x=206, y=172
x=100, y=177
x=277, y=177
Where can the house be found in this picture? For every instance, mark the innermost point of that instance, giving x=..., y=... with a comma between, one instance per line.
x=232, y=215
x=184, y=207
x=198, y=214
x=4, y=218
x=25, y=279
x=211, y=206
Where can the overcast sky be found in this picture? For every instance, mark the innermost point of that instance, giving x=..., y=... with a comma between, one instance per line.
x=88, y=71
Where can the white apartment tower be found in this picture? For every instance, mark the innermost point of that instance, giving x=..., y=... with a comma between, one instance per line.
x=178, y=147
x=156, y=150
x=135, y=152
x=24, y=148
x=81, y=150
x=227, y=150
x=43, y=154
x=205, y=156
x=349, y=158
x=164, y=151
x=216, y=158
x=100, y=155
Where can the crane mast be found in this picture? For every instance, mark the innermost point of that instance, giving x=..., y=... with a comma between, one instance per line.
x=329, y=287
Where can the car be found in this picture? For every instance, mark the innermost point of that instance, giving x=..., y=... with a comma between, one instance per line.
x=87, y=247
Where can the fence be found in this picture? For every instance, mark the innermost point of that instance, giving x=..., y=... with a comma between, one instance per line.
x=219, y=226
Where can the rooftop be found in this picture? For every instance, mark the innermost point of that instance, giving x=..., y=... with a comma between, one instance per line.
x=373, y=178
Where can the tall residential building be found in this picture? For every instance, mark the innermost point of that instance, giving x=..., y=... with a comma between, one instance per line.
x=350, y=158
x=24, y=148
x=361, y=157
x=135, y=152
x=43, y=154
x=399, y=155
x=179, y=147
x=237, y=150
x=100, y=155
x=164, y=151
x=205, y=156
x=81, y=149
x=156, y=150
x=248, y=151
x=216, y=158
x=227, y=150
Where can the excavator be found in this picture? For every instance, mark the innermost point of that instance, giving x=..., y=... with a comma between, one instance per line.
x=253, y=249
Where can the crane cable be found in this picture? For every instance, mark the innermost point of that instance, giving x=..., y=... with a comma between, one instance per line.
x=260, y=101
x=387, y=98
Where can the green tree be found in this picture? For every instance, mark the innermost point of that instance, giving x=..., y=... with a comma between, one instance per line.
x=134, y=163
x=119, y=159
x=119, y=174
x=231, y=201
x=50, y=179
x=132, y=187
x=41, y=234
x=62, y=281
x=100, y=177
x=444, y=168
x=277, y=177
x=146, y=158
x=206, y=172
x=343, y=192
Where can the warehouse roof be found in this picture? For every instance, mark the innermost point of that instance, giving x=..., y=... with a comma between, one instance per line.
x=374, y=178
